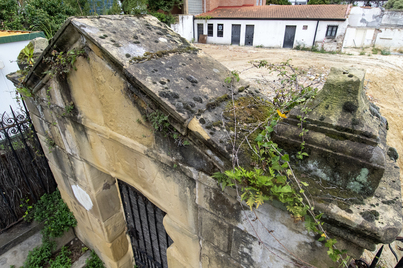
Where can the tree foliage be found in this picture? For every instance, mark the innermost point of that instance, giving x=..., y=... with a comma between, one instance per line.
x=323, y=2
x=277, y=2
x=49, y=15
x=41, y=15
x=394, y=4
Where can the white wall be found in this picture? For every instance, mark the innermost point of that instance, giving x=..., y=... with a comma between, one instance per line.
x=359, y=37
x=392, y=19
x=9, y=52
x=184, y=27
x=270, y=33
x=390, y=38
x=364, y=17
x=390, y=34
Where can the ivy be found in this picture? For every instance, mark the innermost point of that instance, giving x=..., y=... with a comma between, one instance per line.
x=62, y=62
x=160, y=123
x=57, y=219
x=54, y=212
x=272, y=176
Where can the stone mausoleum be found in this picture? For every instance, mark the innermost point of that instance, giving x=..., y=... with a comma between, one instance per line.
x=134, y=132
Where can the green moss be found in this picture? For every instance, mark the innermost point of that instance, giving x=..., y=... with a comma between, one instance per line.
x=217, y=102
x=388, y=202
x=336, y=136
x=155, y=55
x=250, y=112
x=370, y=215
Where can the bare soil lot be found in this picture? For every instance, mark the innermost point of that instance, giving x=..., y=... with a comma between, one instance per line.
x=384, y=76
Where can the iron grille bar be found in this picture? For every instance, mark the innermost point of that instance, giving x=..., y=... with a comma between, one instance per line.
x=145, y=228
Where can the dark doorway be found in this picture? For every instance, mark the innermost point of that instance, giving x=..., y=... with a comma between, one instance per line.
x=236, y=34
x=250, y=30
x=199, y=30
x=144, y=225
x=289, y=36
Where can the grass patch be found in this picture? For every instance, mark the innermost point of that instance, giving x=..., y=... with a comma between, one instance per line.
x=385, y=52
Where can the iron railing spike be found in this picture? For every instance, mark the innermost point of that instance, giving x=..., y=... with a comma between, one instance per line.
x=376, y=259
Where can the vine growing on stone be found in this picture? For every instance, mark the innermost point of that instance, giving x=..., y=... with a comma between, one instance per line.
x=272, y=176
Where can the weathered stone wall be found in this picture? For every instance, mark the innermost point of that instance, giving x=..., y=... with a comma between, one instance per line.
x=105, y=138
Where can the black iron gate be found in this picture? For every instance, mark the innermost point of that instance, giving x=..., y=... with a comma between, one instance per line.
x=24, y=171
x=147, y=233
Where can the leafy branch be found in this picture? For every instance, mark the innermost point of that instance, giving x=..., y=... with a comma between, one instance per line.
x=272, y=176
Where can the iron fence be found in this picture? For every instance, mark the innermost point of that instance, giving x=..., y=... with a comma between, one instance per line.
x=24, y=171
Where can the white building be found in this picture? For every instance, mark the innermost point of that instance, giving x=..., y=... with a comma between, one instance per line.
x=275, y=26
x=11, y=43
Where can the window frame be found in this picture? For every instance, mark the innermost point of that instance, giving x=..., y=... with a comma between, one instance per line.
x=212, y=29
x=220, y=33
x=330, y=29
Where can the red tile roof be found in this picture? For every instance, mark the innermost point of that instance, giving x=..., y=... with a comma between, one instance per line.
x=280, y=12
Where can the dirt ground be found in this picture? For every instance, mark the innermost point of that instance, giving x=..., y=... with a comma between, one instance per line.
x=383, y=81
x=384, y=76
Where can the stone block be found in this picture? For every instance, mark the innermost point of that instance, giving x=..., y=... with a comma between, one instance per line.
x=111, y=228
x=126, y=261
x=81, y=215
x=219, y=203
x=79, y=171
x=115, y=250
x=62, y=180
x=55, y=134
x=48, y=115
x=108, y=201
x=207, y=180
x=32, y=106
x=211, y=257
x=97, y=179
x=55, y=92
x=215, y=231
x=174, y=258
x=56, y=156
x=68, y=135
x=40, y=125
x=188, y=243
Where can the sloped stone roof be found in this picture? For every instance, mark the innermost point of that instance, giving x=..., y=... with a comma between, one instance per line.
x=184, y=82
x=329, y=12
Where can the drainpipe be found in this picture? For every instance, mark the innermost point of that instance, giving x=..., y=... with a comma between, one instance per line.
x=316, y=30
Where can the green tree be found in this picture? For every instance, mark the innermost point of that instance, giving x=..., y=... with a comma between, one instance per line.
x=278, y=2
x=394, y=4
x=10, y=15
x=134, y=6
x=323, y=2
x=39, y=15
x=164, y=5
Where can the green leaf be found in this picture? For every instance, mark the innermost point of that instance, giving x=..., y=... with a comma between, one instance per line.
x=304, y=183
x=285, y=158
x=259, y=137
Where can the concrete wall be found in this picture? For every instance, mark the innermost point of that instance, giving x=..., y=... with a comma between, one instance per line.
x=390, y=34
x=374, y=27
x=184, y=27
x=270, y=33
x=105, y=138
x=8, y=56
